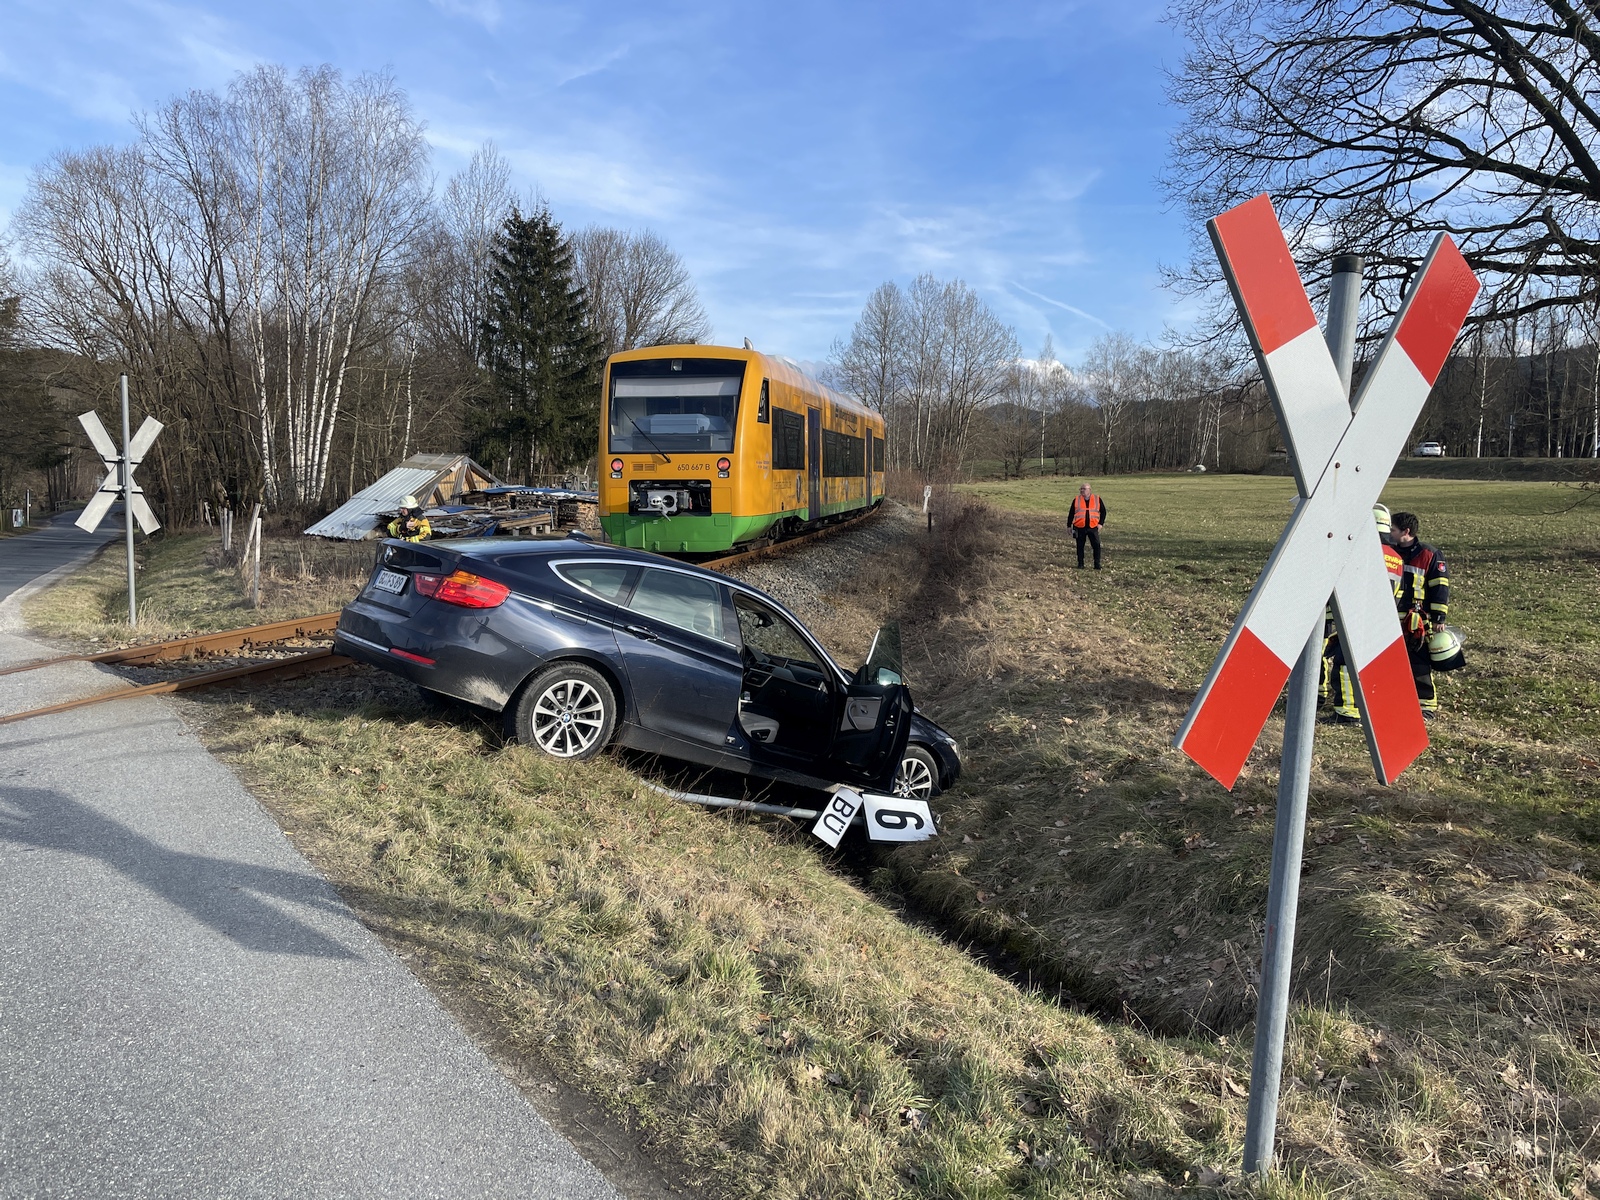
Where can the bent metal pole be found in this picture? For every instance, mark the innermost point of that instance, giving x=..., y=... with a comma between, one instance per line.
x=127, y=504
x=1294, y=786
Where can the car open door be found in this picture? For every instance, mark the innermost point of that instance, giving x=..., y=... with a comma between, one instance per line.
x=874, y=717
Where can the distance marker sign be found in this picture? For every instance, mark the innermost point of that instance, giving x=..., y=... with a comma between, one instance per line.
x=1342, y=455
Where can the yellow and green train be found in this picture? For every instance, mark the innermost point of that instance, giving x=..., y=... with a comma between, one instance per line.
x=703, y=448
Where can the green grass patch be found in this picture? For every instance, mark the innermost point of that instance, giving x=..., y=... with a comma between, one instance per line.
x=772, y=1028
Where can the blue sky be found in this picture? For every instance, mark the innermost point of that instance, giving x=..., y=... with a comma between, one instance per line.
x=796, y=155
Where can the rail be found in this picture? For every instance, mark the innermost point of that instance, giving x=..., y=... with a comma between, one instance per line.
x=197, y=646
x=322, y=659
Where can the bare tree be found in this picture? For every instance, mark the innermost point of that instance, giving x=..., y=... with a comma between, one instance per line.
x=333, y=185
x=241, y=260
x=449, y=288
x=1111, y=374
x=931, y=358
x=871, y=365
x=1376, y=123
x=638, y=290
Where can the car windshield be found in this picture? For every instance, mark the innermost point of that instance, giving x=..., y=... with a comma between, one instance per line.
x=684, y=404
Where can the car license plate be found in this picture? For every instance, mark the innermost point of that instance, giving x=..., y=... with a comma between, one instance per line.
x=390, y=581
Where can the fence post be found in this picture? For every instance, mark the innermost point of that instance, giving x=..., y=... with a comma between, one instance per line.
x=255, y=585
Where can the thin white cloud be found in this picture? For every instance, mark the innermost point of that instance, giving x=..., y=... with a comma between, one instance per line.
x=1075, y=311
x=103, y=65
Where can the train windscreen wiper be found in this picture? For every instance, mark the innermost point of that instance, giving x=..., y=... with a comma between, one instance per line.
x=664, y=455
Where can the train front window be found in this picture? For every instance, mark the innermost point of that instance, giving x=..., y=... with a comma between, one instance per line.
x=674, y=404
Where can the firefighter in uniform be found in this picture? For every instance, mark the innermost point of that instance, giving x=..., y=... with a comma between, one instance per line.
x=1336, y=685
x=1088, y=515
x=1423, y=600
x=410, y=525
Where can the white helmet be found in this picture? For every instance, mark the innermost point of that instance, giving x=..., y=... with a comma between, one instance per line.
x=1444, y=649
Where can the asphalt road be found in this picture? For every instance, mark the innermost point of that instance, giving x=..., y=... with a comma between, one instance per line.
x=28, y=555
x=187, y=1009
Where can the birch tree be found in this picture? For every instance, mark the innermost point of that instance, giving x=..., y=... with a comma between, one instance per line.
x=331, y=180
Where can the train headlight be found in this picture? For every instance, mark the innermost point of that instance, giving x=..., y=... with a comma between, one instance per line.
x=616, y=468
x=722, y=468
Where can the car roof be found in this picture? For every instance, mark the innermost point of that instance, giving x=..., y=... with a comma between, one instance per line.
x=562, y=547
x=569, y=549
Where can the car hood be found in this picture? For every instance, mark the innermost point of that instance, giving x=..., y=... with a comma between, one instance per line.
x=923, y=729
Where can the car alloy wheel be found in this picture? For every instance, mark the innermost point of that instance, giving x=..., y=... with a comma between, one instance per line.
x=918, y=776
x=569, y=711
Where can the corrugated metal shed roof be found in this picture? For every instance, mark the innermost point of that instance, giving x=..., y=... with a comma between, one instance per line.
x=432, y=478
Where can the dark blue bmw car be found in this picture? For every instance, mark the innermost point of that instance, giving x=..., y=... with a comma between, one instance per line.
x=582, y=646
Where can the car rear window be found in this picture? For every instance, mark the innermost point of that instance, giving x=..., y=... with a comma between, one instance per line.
x=681, y=600
x=609, y=581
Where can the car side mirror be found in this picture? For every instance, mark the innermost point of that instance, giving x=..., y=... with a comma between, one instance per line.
x=883, y=665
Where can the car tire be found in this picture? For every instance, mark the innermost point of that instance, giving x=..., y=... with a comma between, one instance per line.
x=918, y=776
x=567, y=711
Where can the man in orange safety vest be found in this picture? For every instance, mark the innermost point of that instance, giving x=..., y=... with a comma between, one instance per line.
x=1088, y=515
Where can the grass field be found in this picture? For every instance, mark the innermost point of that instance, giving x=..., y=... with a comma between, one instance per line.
x=1447, y=925
x=773, y=1028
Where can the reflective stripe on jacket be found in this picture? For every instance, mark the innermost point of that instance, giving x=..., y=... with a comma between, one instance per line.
x=1424, y=585
x=412, y=531
x=1090, y=514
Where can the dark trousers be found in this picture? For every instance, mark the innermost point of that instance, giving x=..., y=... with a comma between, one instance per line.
x=1422, y=675
x=1092, y=536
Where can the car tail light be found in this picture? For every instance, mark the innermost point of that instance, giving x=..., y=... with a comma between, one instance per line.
x=462, y=588
x=472, y=591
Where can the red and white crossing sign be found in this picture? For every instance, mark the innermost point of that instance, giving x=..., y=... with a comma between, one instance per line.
x=1342, y=453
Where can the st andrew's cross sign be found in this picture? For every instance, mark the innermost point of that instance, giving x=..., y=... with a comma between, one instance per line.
x=1342, y=453
x=119, y=482
x=119, y=478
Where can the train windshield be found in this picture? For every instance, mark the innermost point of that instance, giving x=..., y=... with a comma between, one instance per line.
x=670, y=404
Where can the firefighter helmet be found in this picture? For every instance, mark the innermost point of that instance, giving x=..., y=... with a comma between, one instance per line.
x=409, y=502
x=1444, y=649
x=1380, y=514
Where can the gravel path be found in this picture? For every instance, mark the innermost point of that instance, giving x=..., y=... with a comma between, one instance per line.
x=803, y=579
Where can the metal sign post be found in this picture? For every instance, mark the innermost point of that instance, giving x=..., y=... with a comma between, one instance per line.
x=1330, y=548
x=1294, y=790
x=127, y=503
x=119, y=482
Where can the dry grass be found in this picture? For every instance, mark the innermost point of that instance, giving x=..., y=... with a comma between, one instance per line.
x=779, y=1031
x=769, y=1026
x=1447, y=999
x=187, y=585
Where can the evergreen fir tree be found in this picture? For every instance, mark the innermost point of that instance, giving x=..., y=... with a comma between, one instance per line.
x=35, y=430
x=542, y=407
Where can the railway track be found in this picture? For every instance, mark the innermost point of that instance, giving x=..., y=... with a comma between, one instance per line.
x=255, y=637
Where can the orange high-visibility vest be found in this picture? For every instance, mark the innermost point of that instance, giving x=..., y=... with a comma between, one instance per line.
x=1086, y=514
